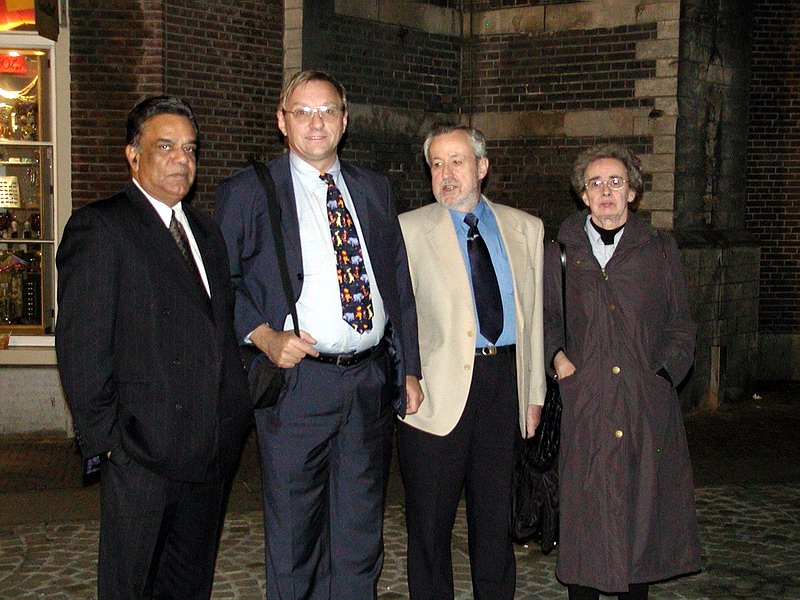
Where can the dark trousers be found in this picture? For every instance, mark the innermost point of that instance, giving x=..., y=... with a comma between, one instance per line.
x=478, y=456
x=158, y=537
x=323, y=461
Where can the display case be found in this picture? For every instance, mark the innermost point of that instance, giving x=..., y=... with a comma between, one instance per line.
x=26, y=195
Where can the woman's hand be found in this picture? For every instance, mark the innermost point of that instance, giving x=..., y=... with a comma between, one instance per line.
x=563, y=366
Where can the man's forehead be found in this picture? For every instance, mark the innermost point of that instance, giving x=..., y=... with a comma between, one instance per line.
x=313, y=90
x=450, y=151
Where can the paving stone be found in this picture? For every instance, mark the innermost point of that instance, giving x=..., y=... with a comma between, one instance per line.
x=750, y=538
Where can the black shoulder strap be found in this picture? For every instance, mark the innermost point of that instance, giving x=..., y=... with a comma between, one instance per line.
x=268, y=184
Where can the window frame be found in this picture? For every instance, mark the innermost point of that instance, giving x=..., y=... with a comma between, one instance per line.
x=27, y=349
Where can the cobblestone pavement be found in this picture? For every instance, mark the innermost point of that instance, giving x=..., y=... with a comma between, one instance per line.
x=750, y=537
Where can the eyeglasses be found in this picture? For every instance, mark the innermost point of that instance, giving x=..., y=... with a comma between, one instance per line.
x=329, y=114
x=613, y=183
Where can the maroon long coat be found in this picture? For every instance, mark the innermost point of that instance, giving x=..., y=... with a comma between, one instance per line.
x=626, y=491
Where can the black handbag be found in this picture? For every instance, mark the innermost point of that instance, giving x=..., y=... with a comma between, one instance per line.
x=534, y=499
x=265, y=377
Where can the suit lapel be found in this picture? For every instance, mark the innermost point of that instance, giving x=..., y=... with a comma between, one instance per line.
x=514, y=242
x=162, y=247
x=443, y=243
x=360, y=201
x=290, y=226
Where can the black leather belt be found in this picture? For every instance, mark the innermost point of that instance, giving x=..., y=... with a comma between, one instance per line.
x=343, y=360
x=495, y=350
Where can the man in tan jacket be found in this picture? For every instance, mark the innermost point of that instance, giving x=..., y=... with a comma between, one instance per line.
x=476, y=269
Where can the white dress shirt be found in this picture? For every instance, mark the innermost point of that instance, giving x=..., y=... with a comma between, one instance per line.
x=319, y=308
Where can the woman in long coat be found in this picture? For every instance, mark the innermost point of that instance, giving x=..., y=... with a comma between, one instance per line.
x=627, y=514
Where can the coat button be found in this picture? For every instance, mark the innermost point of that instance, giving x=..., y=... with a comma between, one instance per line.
x=299, y=277
x=470, y=333
x=466, y=367
x=618, y=433
x=615, y=370
x=612, y=307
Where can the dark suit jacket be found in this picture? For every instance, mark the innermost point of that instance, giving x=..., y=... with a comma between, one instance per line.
x=242, y=213
x=149, y=364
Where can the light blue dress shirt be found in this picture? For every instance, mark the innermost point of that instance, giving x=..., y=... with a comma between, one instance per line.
x=487, y=226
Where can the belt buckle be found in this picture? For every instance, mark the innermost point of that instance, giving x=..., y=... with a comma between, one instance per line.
x=346, y=360
x=489, y=350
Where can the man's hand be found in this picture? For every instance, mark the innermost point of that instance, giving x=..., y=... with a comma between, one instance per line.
x=283, y=348
x=414, y=395
x=532, y=416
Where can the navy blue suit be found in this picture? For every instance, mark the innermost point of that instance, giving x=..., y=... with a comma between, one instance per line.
x=324, y=445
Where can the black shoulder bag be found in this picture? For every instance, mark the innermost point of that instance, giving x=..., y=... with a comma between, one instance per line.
x=534, y=508
x=265, y=377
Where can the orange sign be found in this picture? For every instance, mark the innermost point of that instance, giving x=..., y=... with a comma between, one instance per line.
x=12, y=64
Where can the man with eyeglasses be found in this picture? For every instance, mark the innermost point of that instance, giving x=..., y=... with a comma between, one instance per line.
x=324, y=445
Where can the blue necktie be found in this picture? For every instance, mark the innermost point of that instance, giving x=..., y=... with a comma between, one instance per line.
x=484, y=283
x=350, y=268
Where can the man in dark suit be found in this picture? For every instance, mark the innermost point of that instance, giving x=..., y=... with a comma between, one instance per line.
x=323, y=447
x=150, y=365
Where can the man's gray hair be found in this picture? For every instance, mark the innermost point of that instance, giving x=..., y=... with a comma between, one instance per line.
x=476, y=139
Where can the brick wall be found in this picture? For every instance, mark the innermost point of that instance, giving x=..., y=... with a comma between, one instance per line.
x=773, y=165
x=533, y=174
x=399, y=80
x=390, y=65
x=227, y=63
x=116, y=60
x=574, y=70
x=397, y=156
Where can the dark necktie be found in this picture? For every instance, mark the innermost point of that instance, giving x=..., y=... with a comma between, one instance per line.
x=178, y=234
x=350, y=268
x=484, y=283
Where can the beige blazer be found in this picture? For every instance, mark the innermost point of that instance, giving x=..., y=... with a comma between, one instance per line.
x=446, y=317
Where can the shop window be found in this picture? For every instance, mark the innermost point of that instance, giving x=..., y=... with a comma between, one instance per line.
x=27, y=228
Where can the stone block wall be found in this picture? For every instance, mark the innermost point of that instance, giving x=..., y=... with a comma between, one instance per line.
x=722, y=277
x=550, y=79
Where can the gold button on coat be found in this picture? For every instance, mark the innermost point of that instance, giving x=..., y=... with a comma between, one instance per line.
x=618, y=433
x=615, y=370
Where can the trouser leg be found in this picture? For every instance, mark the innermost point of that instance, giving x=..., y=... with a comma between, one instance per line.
x=495, y=433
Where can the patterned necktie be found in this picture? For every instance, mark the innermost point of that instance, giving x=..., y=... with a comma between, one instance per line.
x=350, y=268
x=178, y=234
x=484, y=283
